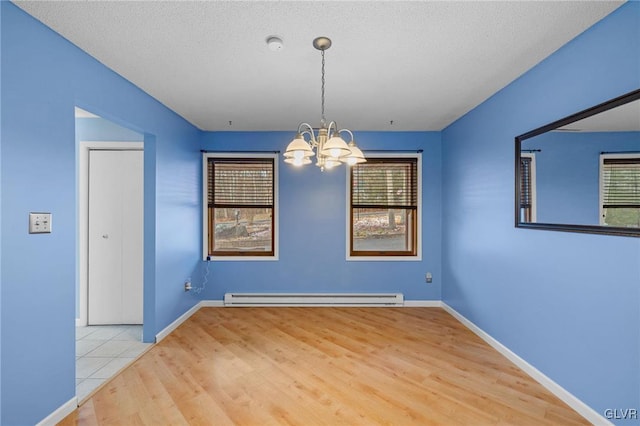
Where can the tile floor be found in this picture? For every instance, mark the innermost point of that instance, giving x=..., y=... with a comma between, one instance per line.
x=101, y=351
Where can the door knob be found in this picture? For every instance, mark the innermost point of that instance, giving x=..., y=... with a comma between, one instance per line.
x=105, y=236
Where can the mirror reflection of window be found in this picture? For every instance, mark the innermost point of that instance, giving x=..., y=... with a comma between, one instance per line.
x=527, y=187
x=570, y=186
x=620, y=190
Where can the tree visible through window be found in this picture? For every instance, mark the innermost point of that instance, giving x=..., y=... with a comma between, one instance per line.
x=620, y=197
x=240, y=206
x=384, y=207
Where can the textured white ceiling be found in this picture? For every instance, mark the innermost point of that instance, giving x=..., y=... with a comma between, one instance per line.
x=422, y=64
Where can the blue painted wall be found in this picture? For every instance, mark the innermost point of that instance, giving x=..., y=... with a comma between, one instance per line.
x=313, y=225
x=43, y=78
x=568, y=173
x=99, y=129
x=567, y=303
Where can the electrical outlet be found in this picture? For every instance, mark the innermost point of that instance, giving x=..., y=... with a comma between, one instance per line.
x=187, y=285
x=428, y=278
x=39, y=223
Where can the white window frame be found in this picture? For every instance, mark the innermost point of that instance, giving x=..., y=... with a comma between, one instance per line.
x=601, y=183
x=532, y=174
x=418, y=256
x=276, y=206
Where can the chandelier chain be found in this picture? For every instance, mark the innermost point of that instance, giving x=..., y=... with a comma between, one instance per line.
x=323, y=121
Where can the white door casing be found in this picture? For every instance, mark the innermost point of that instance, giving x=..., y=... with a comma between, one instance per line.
x=111, y=233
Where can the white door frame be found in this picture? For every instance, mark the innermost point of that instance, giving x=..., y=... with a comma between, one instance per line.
x=83, y=216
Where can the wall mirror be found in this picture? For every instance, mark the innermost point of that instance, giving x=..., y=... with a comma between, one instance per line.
x=582, y=173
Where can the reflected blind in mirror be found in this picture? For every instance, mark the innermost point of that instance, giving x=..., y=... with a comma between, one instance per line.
x=525, y=182
x=621, y=182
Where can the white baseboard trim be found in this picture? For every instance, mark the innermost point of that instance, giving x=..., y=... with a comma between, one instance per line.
x=78, y=322
x=175, y=324
x=572, y=401
x=211, y=304
x=423, y=303
x=63, y=411
x=407, y=303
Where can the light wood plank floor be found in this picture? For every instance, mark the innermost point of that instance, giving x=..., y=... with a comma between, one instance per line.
x=322, y=366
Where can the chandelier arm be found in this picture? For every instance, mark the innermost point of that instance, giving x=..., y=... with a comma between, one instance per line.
x=312, y=141
x=333, y=125
x=349, y=132
x=303, y=125
x=306, y=129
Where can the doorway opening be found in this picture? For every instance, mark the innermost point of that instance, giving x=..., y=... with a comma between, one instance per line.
x=109, y=291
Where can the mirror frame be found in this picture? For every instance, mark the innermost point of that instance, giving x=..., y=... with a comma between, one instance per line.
x=591, y=229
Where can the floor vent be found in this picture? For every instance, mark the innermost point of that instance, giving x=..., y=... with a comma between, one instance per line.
x=313, y=299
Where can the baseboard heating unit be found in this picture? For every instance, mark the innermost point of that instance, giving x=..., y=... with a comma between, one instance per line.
x=313, y=299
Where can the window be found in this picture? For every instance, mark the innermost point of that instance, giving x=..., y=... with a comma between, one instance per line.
x=240, y=212
x=527, y=188
x=620, y=190
x=384, y=201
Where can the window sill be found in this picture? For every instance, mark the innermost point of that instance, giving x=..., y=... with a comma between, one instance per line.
x=242, y=258
x=417, y=258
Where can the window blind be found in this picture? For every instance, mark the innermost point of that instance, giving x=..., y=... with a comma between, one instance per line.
x=525, y=182
x=621, y=182
x=385, y=182
x=240, y=182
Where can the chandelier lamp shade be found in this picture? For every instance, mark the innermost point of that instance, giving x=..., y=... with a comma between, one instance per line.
x=327, y=145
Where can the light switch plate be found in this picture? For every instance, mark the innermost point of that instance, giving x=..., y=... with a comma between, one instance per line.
x=39, y=223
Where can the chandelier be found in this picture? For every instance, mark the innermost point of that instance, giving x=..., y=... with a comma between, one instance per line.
x=330, y=148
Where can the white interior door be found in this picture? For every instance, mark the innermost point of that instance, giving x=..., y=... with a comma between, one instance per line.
x=115, y=261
